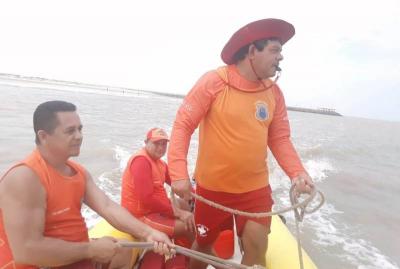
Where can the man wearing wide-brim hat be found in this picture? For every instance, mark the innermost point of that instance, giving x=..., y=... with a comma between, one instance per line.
x=241, y=113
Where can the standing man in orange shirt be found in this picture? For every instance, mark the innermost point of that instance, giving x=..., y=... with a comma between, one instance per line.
x=241, y=113
x=41, y=224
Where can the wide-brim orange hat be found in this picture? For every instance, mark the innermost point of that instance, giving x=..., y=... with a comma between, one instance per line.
x=257, y=30
x=156, y=134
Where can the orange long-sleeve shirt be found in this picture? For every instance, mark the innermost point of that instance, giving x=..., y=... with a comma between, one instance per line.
x=238, y=120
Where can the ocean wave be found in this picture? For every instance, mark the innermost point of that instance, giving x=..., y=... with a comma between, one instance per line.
x=122, y=155
x=331, y=234
x=110, y=183
x=323, y=228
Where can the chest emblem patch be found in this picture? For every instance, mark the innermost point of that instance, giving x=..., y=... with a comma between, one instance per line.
x=261, y=111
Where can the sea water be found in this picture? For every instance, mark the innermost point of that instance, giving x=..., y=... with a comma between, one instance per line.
x=355, y=162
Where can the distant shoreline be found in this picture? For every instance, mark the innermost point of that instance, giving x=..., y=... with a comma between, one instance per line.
x=324, y=111
x=18, y=80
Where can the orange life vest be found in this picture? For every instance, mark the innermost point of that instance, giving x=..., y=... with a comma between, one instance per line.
x=63, y=219
x=129, y=195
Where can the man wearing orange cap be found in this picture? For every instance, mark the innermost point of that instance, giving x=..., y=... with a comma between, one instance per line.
x=144, y=195
x=241, y=113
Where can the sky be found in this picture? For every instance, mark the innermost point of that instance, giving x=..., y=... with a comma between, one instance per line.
x=345, y=54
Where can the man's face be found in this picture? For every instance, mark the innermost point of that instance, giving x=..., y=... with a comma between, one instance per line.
x=266, y=61
x=156, y=149
x=66, y=139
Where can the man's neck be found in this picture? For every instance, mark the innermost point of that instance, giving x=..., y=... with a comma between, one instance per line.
x=150, y=155
x=246, y=70
x=59, y=163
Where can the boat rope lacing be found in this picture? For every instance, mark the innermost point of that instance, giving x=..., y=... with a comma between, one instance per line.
x=209, y=259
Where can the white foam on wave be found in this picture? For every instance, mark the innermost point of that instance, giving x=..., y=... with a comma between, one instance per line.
x=105, y=183
x=318, y=170
x=331, y=234
x=122, y=155
x=364, y=252
x=328, y=233
x=111, y=187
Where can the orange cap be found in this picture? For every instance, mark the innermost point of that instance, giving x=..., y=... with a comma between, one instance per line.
x=156, y=134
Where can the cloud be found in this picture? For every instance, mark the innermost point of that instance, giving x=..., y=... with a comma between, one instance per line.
x=168, y=45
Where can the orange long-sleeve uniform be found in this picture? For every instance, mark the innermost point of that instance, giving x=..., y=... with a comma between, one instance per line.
x=239, y=119
x=131, y=197
x=63, y=219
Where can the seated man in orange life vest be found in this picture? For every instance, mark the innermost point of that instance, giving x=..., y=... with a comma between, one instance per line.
x=144, y=195
x=41, y=224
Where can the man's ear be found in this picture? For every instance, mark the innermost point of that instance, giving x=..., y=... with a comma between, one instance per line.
x=251, y=52
x=42, y=135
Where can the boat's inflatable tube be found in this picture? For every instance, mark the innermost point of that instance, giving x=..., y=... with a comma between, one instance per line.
x=282, y=248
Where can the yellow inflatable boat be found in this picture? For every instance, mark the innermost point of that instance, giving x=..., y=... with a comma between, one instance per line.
x=282, y=249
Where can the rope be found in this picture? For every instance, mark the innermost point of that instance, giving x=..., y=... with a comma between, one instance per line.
x=298, y=216
x=299, y=209
x=209, y=259
x=303, y=205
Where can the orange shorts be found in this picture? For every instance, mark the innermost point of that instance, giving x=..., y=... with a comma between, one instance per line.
x=210, y=221
x=160, y=222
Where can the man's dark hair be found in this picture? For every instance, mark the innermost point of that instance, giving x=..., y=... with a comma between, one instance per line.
x=259, y=44
x=45, y=118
